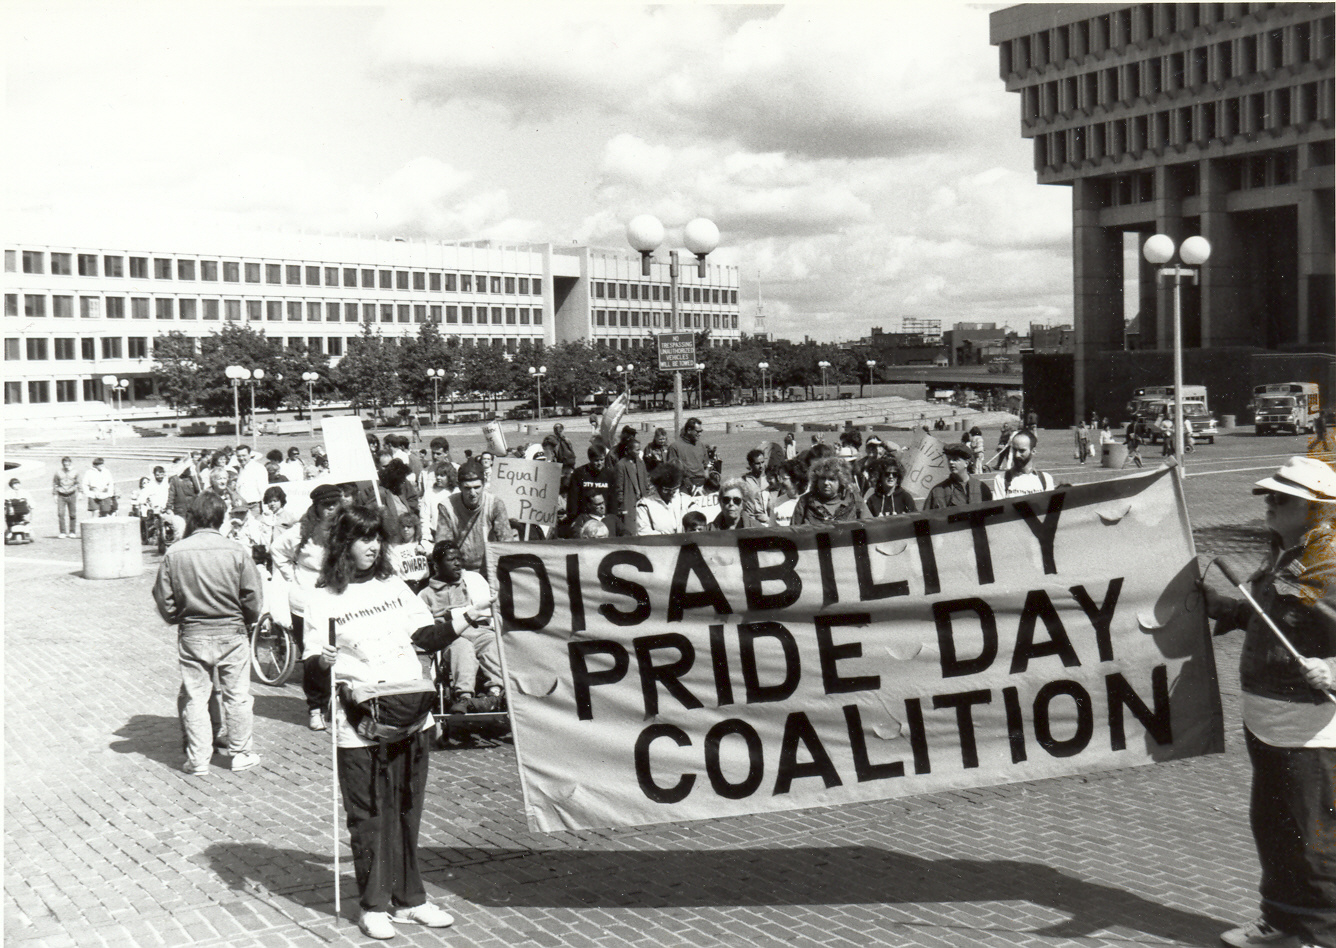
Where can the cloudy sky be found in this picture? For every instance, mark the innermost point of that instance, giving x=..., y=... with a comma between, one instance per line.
x=862, y=161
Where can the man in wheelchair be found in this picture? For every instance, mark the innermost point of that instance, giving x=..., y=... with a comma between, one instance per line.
x=472, y=661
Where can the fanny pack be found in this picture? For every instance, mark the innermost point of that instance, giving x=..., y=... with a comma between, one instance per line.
x=387, y=711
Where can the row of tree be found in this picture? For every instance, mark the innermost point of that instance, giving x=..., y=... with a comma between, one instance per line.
x=378, y=372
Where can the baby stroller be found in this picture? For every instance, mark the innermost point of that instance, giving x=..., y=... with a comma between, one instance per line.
x=17, y=527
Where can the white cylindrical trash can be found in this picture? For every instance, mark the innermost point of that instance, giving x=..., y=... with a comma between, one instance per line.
x=112, y=548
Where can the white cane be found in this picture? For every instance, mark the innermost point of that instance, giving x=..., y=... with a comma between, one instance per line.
x=1234, y=580
x=334, y=768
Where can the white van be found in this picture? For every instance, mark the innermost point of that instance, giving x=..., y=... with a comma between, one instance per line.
x=1286, y=406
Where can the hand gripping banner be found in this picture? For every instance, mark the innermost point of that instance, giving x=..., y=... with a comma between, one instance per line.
x=676, y=678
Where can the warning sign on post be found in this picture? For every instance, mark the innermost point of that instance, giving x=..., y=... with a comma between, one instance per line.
x=677, y=351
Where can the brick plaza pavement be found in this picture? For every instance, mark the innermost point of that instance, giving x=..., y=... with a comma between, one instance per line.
x=107, y=843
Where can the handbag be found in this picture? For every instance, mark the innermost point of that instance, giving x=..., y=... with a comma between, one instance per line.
x=385, y=712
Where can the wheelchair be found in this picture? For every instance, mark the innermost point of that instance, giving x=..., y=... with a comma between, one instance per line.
x=18, y=527
x=464, y=727
x=274, y=653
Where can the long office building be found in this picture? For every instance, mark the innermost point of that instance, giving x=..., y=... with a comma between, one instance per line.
x=76, y=313
x=1186, y=118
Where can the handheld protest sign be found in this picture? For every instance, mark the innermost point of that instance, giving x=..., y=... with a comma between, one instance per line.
x=531, y=490
x=658, y=679
x=925, y=467
x=496, y=438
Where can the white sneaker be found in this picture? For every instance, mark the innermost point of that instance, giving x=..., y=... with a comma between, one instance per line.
x=316, y=720
x=433, y=916
x=376, y=925
x=1258, y=933
x=245, y=761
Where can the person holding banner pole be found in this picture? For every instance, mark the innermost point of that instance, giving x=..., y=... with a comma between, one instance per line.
x=1288, y=673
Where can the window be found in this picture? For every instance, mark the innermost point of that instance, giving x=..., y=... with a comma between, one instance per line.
x=312, y=276
x=510, y=285
x=524, y=315
x=67, y=390
x=450, y=282
x=350, y=312
x=386, y=313
x=435, y=281
x=466, y=283
x=273, y=273
x=452, y=314
x=294, y=275
x=252, y=273
x=62, y=306
x=39, y=392
x=313, y=312
x=335, y=346
x=11, y=261
x=466, y=314
x=34, y=261
x=115, y=307
x=64, y=349
x=368, y=278
x=655, y=318
x=419, y=312
x=294, y=311
x=139, y=268
x=112, y=266
x=600, y=317
x=187, y=309
x=419, y=280
x=496, y=284
x=315, y=345
x=13, y=393
x=87, y=264
x=496, y=315
x=510, y=315
x=60, y=264
x=403, y=312
x=386, y=280
x=139, y=307
x=163, y=307
x=654, y=292
x=369, y=312
x=92, y=390
x=635, y=291
x=36, y=350
x=436, y=314
x=624, y=318
x=524, y=286
x=623, y=291
x=231, y=271
x=185, y=269
x=208, y=270
x=332, y=312
x=162, y=268
x=735, y=320
x=210, y=309
x=401, y=279
x=34, y=305
x=137, y=347
x=538, y=316
x=11, y=304
x=254, y=311
x=273, y=311
x=13, y=352
x=232, y=310
x=480, y=283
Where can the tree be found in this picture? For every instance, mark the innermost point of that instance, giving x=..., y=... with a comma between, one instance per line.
x=429, y=350
x=176, y=370
x=368, y=375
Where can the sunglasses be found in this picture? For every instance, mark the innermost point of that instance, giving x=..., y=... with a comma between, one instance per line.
x=730, y=500
x=1278, y=500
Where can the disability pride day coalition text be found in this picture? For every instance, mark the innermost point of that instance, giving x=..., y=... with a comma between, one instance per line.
x=676, y=678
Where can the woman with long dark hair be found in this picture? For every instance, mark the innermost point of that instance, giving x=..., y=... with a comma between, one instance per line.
x=376, y=620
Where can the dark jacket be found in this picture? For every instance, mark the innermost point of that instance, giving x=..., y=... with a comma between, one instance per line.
x=180, y=493
x=208, y=584
x=950, y=494
x=889, y=505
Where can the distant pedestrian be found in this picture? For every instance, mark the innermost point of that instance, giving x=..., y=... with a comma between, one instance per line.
x=209, y=588
x=415, y=426
x=100, y=489
x=65, y=487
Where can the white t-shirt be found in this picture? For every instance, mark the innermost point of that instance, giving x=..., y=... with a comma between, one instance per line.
x=1033, y=482
x=374, y=623
x=1290, y=723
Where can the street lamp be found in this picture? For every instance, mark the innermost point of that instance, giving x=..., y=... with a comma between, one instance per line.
x=871, y=364
x=625, y=372
x=436, y=376
x=701, y=236
x=764, y=367
x=823, y=365
x=239, y=374
x=310, y=378
x=117, y=386
x=537, y=375
x=1159, y=250
x=700, y=399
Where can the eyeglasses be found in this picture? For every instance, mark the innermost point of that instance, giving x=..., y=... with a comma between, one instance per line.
x=1278, y=500
x=730, y=500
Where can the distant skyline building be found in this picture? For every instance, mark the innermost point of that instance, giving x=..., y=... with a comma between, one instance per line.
x=74, y=313
x=1186, y=118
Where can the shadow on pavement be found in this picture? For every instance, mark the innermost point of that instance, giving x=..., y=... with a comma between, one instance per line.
x=154, y=736
x=809, y=876
x=288, y=708
x=1249, y=538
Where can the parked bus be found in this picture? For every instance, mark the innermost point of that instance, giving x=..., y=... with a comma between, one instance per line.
x=1281, y=406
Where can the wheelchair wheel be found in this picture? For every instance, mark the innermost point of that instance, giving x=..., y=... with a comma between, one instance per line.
x=273, y=652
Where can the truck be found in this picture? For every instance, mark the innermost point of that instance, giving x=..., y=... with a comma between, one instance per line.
x=1154, y=402
x=1286, y=406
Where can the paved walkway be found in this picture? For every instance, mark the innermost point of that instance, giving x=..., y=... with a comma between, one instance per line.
x=108, y=844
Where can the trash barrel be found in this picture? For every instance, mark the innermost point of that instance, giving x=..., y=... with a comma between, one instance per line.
x=728, y=427
x=1227, y=422
x=112, y=548
x=1113, y=455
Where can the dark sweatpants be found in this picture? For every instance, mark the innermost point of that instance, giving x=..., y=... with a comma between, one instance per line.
x=315, y=679
x=382, y=789
x=1294, y=824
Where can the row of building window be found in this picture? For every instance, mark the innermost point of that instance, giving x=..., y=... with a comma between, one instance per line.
x=1124, y=84
x=654, y=292
x=1198, y=124
x=1144, y=22
x=63, y=264
x=653, y=320
x=67, y=390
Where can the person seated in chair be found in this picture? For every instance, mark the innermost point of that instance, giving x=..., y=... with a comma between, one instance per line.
x=463, y=597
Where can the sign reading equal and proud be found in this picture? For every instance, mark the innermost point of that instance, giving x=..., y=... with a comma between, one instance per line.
x=675, y=678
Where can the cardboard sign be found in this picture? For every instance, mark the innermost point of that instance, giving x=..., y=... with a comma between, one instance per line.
x=530, y=490
x=657, y=679
x=349, y=455
x=925, y=466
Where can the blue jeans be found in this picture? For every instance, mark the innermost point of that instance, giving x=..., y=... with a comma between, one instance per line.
x=202, y=654
x=67, y=512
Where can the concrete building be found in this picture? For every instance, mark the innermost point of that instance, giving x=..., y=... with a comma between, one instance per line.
x=75, y=313
x=1186, y=118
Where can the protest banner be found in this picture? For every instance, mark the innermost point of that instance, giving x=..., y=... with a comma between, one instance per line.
x=530, y=489
x=664, y=678
x=925, y=466
x=345, y=445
